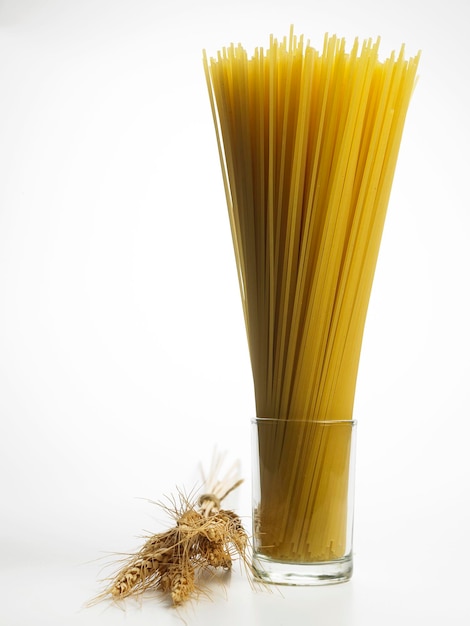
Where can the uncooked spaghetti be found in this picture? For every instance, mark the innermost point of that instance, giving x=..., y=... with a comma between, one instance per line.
x=308, y=143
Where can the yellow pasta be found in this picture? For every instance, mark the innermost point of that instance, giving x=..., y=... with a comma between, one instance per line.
x=308, y=142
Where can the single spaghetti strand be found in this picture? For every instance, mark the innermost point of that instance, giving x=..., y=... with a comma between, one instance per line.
x=271, y=194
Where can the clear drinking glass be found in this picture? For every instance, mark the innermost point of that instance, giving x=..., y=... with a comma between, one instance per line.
x=303, y=500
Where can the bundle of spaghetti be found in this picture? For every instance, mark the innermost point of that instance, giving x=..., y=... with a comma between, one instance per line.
x=308, y=143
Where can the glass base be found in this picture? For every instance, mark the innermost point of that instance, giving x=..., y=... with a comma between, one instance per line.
x=307, y=574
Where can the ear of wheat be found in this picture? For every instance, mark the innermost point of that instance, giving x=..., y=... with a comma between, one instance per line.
x=204, y=538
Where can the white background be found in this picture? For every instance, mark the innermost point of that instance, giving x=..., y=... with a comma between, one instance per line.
x=123, y=358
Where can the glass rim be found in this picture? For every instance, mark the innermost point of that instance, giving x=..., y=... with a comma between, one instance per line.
x=279, y=420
